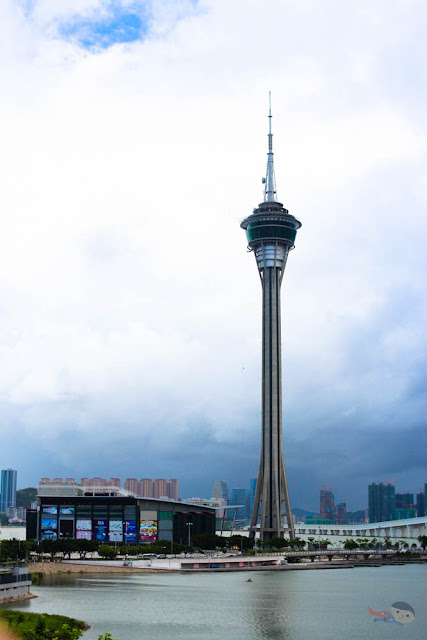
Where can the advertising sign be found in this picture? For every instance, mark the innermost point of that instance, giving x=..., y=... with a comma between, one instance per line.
x=116, y=531
x=129, y=527
x=51, y=510
x=66, y=511
x=84, y=525
x=49, y=528
x=148, y=530
x=84, y=535
x=101, y=530
x=116, y=536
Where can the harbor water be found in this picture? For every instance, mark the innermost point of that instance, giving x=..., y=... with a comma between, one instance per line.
x=282, y=605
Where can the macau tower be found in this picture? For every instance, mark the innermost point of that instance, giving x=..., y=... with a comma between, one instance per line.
x=271, y=232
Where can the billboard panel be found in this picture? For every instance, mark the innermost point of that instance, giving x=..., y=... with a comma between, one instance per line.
x=51, y=510
x=100, y=528
x=84, y=535
x=49, y=529
x=148, y=530
x=116, y=536
x=116, y=531
x=84, y=525
x=66, y=511
x=129, y=529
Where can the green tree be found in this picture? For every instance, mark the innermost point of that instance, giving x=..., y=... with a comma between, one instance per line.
x=297, y=543
x=50, y=547
x=276, y=543
x=13, y=549
x=207, y=541
x=324, y=544
x=423, y=541
x=365, y=543
x=241, y=542
x=350, y=544
x=107, y=551
x=83, y=547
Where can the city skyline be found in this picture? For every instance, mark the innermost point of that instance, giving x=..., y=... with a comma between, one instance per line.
x=417, y=494
x=125, y=349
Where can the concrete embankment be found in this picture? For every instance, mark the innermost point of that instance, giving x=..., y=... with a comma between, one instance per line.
x=90, y=567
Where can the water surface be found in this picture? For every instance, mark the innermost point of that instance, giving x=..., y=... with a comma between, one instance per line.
x=289, y=605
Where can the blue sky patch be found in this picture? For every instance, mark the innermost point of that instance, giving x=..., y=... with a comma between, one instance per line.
x=106, y=31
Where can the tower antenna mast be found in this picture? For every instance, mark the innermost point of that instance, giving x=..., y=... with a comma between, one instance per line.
x=270, y=179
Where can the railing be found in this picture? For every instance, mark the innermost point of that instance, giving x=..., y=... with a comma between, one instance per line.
x=335, y=552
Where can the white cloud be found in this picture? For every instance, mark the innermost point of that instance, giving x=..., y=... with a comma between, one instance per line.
x=127, y=295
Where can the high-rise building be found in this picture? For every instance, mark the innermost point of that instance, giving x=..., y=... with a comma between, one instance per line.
x=252, y=488
x=421, y=505
x=271, y=233
x=238, y=499
x=132, y=485
x=114, y=483
x=381, y=501
x=98, y=482
x=146, y=488
x=341, y=513
x=173, y=489
x=8, y=489
x=160, y=488
x=220, y=490
x=327, y=504
x=404, y=501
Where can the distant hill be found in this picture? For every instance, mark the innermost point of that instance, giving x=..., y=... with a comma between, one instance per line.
x=24, y=497
x=356, y=516
x=303, y=512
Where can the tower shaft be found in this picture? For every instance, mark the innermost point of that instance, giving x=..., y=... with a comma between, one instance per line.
x=271, y=498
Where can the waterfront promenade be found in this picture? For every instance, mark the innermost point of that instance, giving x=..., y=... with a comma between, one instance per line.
x=291, y=560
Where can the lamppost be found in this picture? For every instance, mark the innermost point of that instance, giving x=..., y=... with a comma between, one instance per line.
x=189, y=525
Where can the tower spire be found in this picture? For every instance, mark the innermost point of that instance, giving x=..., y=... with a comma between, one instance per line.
x=270, y=179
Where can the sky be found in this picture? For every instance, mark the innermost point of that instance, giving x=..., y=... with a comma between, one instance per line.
x=133, y=143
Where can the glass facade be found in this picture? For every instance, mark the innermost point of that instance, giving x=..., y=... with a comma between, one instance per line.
x=262, y=231
x=8, y=489
x=118, y=520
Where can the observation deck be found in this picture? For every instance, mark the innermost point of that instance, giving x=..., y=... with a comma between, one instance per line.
x=271, y=231
x=271, y=222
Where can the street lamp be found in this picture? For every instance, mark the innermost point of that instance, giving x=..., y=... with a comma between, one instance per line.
x=189, y=525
